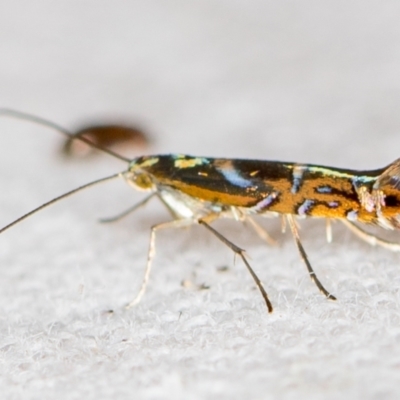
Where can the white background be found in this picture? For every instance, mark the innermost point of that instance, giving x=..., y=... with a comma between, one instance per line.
x=306, y=81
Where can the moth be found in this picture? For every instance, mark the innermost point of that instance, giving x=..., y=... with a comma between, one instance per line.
x=200, y=190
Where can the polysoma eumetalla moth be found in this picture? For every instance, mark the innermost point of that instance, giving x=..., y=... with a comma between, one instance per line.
x=200, y=190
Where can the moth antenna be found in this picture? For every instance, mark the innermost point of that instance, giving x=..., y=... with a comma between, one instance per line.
x=45, y=122
x=56, y=199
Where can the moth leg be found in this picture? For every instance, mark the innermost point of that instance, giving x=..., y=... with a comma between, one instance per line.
x=128, y=211
x=283, y=224
x=261, y=232
x=370, y=238
x=328, y=230
x=304, y=257
x=151, y=252
x=240, y=252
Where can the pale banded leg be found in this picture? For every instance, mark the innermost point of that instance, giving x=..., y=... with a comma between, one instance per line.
x=177, y=223
x=283, y=224
x=328, y=230
x=129, y=210
x=369, y=237
x=313, y=276
x=240, y=252
x=261, y=231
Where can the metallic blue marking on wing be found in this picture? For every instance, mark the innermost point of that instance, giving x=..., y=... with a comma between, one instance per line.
x=298, y=171
x=265, y=203
x=333, y=204
x=359, y=180
x=233, y=177
x=305, y=207
x=324, y=189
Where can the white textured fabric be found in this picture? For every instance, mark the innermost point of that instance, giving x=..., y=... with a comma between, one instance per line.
x=305, y=81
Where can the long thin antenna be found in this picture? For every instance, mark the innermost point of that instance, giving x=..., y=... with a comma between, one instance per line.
x=44, y=122
x=49, y=203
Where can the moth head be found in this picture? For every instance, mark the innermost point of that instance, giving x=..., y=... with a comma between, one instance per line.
x=139, y=175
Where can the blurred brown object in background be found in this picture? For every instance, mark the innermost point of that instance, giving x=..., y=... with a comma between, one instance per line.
x=123, y=139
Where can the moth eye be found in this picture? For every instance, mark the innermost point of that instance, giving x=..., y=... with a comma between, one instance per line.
x=139, y=180
x=143, y=181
